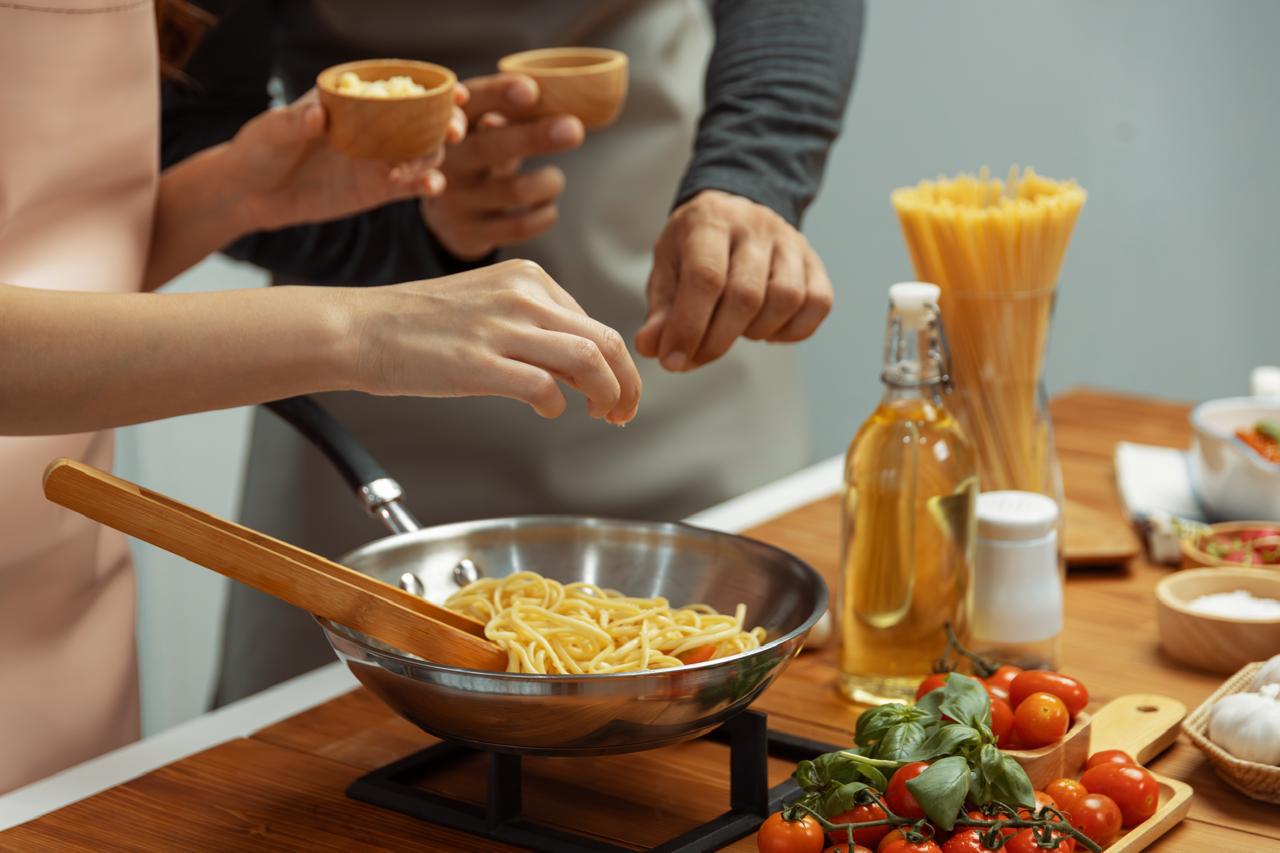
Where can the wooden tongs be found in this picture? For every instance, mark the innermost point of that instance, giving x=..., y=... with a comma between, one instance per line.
x=291, y=574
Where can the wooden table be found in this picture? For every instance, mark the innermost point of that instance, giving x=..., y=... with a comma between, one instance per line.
x=282, y=788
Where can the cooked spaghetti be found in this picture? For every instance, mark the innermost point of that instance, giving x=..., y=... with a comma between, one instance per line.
x=995, y=249
x=550, y=628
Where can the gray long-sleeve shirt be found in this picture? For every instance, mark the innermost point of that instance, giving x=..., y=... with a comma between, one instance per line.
x=775, y=93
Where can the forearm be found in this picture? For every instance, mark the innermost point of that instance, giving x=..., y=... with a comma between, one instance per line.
x=75, y=362
x=776, y=89
x=199, y=209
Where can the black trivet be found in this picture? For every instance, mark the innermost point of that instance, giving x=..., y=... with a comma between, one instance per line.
x=750, y=797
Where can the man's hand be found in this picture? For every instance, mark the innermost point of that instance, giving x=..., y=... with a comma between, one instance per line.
x=489, y=201
x=723, y=268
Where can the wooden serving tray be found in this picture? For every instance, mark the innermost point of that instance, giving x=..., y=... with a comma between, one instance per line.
x=1141, y=724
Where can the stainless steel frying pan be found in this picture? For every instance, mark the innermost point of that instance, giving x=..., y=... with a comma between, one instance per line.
x=564, y=715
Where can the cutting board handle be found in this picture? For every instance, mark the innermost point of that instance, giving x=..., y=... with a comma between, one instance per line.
x=1141, y=724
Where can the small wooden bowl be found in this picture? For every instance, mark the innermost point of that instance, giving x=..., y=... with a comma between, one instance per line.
x=1194, y=557
x=1215, y=643
x=587, y=82
x=1259, y=781
x=388, y=128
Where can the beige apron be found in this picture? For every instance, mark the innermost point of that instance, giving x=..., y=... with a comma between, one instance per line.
x=700, y=437
x=78, y=160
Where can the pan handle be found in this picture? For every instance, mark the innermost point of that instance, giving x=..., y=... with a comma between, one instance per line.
x=380, y=494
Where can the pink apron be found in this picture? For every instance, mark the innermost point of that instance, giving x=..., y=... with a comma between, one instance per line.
x=78, y=165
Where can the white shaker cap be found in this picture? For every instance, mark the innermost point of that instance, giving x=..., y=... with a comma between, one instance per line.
x=1265, y=382
x=913, y=298
x=1015, y=516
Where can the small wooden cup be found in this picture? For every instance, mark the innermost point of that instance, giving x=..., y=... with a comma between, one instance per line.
x=1215, y=643
x=388, y=128
x=587, y=82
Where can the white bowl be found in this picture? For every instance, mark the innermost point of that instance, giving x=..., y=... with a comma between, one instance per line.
x=1231, y=480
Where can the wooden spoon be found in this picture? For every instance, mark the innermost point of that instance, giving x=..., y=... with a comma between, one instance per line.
x=294, y=575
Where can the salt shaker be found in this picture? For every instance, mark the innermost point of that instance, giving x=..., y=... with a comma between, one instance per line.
x=1017, y=583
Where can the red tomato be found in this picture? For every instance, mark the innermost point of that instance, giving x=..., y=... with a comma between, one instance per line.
x=899, y=800
x=1097, y=816
x=1072, y=693
x=998, y=682
x=698, y=654
x=790, y=836
x=1109, y=756
x=868, y=835
x=931, y=683
x=1012, y=741
x=1001, y=720
x=1065, y=793
x=1041, y=719
x=1042, y=800
x=976, y=814
x=1025, y=842
x=902, y=845
x=891, y=838
x=845, y=848
x=1134, y=790
x=967, y=840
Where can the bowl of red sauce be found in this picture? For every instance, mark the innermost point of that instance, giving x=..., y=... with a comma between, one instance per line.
x=1235, y=458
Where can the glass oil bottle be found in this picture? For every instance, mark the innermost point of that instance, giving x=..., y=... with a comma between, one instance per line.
x=908, y=525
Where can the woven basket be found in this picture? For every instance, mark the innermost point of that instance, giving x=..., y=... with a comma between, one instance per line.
x=1259, y=781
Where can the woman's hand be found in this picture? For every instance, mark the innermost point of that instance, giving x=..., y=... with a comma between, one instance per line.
x=506, y=330
x=287, y=173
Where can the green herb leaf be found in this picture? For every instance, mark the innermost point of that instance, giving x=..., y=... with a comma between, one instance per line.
x=941, y=790
x=840, y=800
x=950, y=739
x=807, y=776
x=1270, y=429
x=844, y=767
x=902, y=742
x=929, y=703
x=965, y=700
x=874, y=723
x=998, y=776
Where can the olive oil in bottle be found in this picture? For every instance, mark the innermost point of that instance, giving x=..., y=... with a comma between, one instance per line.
x=910, y=487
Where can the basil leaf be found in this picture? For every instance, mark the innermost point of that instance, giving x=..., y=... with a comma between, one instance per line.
x=965, y=700
x=940, y=790
x=949, y=739
x=807, y=776
x=1011, y=784
x=844, y=767
x=929, y=703
x=902, y=742
x=840, y=800
x=987, y=766
x=875, y=723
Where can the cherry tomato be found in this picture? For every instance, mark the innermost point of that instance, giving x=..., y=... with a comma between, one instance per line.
x=1109, y=756
x=790, y=836
x=1134, y=790
x=1042, y=800
x=1097, y=816
x=1012, y=741
x=998, y=682
x=968, y=840
x=902, y=845
x=1065, y=793
x=977, y=814
x=1025, y=842
x=1001, y=720
x=898, y=798
x=930, y=684
x=868, y=835
x=845, y=848
x=891, y=837
x=698, y=654
x=1072, y=693
x=1041, y=719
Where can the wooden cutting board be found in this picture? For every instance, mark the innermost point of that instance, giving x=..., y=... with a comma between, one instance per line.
x=1096, y=538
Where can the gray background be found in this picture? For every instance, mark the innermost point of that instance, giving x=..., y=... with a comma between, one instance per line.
x=1164, y=111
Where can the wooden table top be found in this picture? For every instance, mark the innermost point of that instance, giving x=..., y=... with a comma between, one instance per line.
x=283, y=788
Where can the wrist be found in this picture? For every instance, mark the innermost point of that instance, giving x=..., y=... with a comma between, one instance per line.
x=327, y=349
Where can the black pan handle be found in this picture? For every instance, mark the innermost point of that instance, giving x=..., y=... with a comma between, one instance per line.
x=380, y=494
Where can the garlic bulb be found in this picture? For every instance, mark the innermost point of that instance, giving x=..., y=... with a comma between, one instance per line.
x=1269, y=674
x=1247, y=725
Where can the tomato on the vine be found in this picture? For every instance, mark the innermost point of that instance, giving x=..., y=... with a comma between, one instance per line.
x=998, y=682
x=845, y=848
x=902, y=845
x=1024, y=841
x=1109, y=756
x=1042, y=800
x=803, y=835
x=867, y=835
x=1072, y=693
x=1134, y=790
x=900, y=800
x=1065, y=793
x=967, y=840
x=1001, y=720
x=1040, y=719
x=1097, y=816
